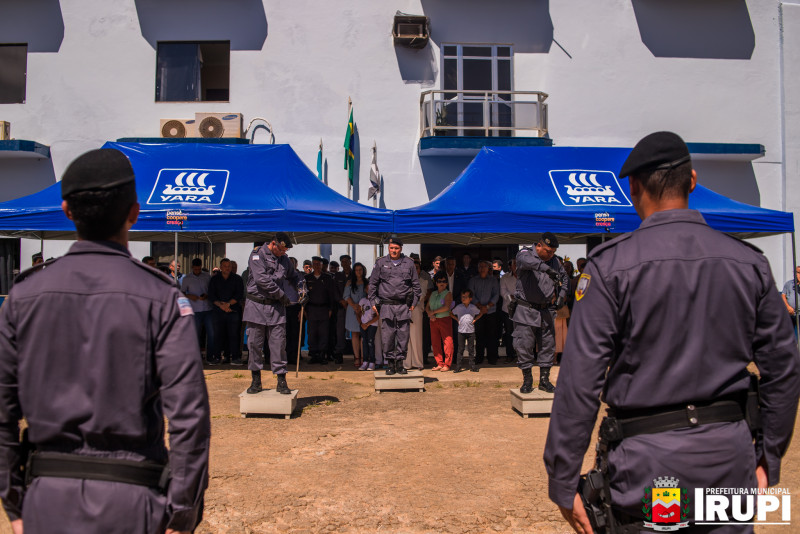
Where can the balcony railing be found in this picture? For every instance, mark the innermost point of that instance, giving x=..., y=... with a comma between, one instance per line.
x=483, y=113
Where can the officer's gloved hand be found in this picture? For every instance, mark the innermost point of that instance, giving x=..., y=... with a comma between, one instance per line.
x=552, y=274
x=286, y=301
x=303, y=300
x=560, y=302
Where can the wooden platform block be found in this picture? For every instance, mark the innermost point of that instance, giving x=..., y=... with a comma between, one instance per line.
x=413, y=380
x=535, y=402
x=268, y=401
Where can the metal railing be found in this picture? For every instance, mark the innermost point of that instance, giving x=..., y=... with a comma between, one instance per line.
x=483, y=113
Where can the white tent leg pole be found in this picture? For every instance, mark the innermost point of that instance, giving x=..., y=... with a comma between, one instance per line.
x=176, y=256
x=794, y=279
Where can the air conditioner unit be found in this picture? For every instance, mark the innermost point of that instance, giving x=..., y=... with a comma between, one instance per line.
x=412, y=31
x=219, y=124
x=176, y=128
x=5, y=131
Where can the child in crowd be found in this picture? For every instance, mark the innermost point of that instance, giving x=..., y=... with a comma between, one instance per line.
x=467, y=314
x=369, y=326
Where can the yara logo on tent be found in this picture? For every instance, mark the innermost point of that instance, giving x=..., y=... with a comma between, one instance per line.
x=189, y=186
x=588, y=188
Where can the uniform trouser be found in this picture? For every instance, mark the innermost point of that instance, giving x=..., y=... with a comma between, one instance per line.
x=469, y=341
x=204, y=320
x=292, y=331
x=368, y=343
x=341, y=333
x=526, y=338
x=275, y=335
x=486, y=337
x=318, y=335
x=442, y=340
x=227, y=326
x=508, y=331
x=507, y=327
x=394, y=338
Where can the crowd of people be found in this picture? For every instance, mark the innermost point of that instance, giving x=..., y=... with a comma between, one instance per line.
x=462, y=322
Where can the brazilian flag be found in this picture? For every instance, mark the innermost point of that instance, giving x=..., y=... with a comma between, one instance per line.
x=349, y=141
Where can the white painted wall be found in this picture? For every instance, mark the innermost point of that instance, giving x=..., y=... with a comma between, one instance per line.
x=615, y=71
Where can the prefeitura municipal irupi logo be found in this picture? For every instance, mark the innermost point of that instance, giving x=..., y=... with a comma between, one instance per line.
x=665, y=505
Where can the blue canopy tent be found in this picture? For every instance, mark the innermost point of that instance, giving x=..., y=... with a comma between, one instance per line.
x=216, y=193
x=511, y=195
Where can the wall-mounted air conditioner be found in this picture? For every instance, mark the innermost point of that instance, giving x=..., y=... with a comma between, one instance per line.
x=219, y=124
x=176, y=128
x=412, y=31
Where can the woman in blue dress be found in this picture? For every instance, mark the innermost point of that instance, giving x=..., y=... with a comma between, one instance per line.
x=354, y=291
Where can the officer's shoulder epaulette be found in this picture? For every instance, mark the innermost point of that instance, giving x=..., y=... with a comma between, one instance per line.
x=609, y=244
x=30, y=270
x=155, y=272
x=743, y=242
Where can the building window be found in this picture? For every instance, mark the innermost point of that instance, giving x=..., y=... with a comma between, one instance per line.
x=13, y=71
x=474, y=71
x=193, y=72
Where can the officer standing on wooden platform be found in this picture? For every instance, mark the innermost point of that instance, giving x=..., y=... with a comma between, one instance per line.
x=394, y=291
x=542, y=285
x=666, y=320
x=95, y=351
x=265, y=309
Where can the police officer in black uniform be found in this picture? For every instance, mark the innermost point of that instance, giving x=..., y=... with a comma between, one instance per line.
x=265, y=309
x=394, y=291
x=666, y=320
x=322, y=301
x=95, y=351
x=542, y=285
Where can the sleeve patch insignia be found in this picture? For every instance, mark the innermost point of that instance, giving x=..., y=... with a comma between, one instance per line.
x=185, y=306
x=583, y=286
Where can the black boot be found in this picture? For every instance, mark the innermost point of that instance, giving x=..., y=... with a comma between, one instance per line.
x=255, y=386
x=283, y=387
x=391, y=369
x=544, y=380
x=401, y=368
x=527, y=381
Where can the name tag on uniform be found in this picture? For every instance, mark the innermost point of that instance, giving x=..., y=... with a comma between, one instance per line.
x=185, y=306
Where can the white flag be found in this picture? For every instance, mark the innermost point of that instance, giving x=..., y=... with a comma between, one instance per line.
x=374, y=175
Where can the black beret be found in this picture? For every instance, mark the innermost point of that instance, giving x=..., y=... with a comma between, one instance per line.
x=549, y=239
x=325, y=261
x=197, y=262
x=306, y=262
x=283, y=239
x=395, y=241
x=414, y=256
x=657, y=151
x=316, y=258
x=104, y=168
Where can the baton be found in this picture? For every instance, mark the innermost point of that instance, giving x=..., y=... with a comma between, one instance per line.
x=299, y=341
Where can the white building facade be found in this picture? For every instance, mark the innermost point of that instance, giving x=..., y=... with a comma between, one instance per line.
x=714, y=71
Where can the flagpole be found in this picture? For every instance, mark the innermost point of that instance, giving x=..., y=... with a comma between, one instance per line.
x=375, y=197
x=349, y=185
x=321, y=171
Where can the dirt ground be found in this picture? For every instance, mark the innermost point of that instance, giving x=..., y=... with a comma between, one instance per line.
x=455, y=458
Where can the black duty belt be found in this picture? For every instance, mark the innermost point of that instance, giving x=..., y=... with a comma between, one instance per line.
x=526, y=304
x=392, y=301
x=260, y=300
x=621, y=424
x=62, y=465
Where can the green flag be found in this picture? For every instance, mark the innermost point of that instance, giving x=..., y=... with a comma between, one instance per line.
x=349, y=141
